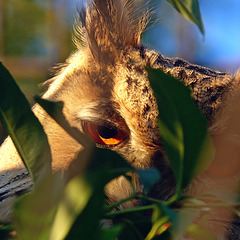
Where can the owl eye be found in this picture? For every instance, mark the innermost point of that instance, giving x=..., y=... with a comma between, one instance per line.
x=104, y=135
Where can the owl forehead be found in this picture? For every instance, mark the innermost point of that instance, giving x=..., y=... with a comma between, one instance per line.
x=134, y=94
x=127, y=85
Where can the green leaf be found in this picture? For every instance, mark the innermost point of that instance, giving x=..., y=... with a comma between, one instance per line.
x=115, y=164
x=6, y=231
x=49, y=212
x=98, y=174
x=34, y=212
x=184, y=217
x=110, y=233
x=24, y=128
x=158, y=227
x=135, y=226
x=190, y=10
x=162, y=218
x=89, y=218
x=148, y=177
x=160, y=211
x=183, y=127
x=199, y=232
x=74, y=201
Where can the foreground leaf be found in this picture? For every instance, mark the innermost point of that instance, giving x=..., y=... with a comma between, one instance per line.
x=24, y=128
x=148, y=177
x=56, y=210
x=183, y=128
x=190, y=10
x=181, y=222
x=199, y=232
x=6, y=232
x=34, y=212
x=110, y=233
x=76, y=197
x=135, y=226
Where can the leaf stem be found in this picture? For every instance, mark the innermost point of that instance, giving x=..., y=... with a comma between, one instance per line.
x=113, y=205
x=137, y=209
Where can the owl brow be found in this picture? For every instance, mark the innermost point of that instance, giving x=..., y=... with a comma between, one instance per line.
x=95, y=115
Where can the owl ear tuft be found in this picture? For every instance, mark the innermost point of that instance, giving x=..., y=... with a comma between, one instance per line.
x=107, y=26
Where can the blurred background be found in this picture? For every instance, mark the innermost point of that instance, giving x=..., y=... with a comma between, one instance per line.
x=36, y=34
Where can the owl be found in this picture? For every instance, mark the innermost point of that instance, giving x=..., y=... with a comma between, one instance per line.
x=107, y=95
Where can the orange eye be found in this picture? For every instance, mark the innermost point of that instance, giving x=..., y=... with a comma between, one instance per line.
x=104, y=135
